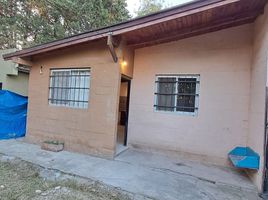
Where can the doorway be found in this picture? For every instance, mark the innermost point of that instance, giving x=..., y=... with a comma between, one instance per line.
x=122, y=125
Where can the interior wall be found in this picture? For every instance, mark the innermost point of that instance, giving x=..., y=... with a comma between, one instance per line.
x=223, y=60
x=123, y=89
x=91, y=130
x=256, y=137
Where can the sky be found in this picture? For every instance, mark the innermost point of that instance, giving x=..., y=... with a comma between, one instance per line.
x=134, y=4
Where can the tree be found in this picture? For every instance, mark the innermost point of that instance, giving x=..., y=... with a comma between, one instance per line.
x=25, y=23
x=149, y=6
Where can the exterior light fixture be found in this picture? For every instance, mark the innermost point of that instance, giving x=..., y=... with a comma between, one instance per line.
x=124, y=63
x=41, y=70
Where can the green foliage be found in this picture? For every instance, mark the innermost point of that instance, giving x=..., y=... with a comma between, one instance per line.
x=26, y=23
x=149, y=6
x=55, y=142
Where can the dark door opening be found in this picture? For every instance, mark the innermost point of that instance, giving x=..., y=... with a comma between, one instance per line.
x=123, y=112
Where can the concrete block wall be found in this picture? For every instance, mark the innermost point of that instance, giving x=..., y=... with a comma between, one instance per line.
x=91, y=130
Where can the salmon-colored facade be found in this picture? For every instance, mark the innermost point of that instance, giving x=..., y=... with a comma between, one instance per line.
x=231, y=64
x=89, y=130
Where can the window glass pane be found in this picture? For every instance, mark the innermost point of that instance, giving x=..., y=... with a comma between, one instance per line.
x=165, y=94
x=186, y=94
x=186, y=103
x=186, y=85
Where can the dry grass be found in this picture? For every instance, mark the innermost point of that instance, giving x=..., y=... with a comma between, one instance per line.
x=21, y=181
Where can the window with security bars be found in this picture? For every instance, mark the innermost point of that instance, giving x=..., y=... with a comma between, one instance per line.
x=69, y=87
x=177, y=93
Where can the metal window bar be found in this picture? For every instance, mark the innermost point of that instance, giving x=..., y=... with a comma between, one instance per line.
x=196, y=108
x=69, y=87
x=68, y=75
x=183, y=94
x=175, y=96
x=69, y=100
x=177, y=81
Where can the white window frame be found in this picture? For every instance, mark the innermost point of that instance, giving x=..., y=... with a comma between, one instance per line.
x=64, y=70
x=177, y=76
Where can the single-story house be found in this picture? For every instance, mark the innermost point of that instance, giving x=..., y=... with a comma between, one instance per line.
x=188, y=80
x=13, y=77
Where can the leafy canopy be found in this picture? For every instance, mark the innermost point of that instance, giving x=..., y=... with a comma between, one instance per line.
x=25, y=23
x=149, y=6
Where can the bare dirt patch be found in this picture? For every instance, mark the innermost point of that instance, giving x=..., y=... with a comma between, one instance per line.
x=21, y=180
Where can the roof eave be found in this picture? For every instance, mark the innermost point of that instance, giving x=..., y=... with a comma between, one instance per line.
x=117, y=29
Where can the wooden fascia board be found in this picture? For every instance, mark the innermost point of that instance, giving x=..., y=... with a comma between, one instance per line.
x=132, y=25
x=179, y=15
x=232, y=21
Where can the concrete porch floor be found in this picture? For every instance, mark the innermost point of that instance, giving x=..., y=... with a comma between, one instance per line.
x=146, y=174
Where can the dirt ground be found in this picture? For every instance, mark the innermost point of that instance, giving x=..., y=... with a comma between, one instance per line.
x=21, y=180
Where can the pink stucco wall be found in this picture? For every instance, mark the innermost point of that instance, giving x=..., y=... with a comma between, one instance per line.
x=223, y=60
x=256, y=136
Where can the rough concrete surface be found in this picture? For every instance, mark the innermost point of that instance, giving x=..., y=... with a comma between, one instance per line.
x=145, y=174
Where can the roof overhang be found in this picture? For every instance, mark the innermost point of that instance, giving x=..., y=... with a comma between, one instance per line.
x=187, y=20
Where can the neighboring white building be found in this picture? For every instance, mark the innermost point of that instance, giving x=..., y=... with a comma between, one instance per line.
x=13, y=77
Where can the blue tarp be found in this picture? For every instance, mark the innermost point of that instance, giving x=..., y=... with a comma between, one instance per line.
x=13, y=112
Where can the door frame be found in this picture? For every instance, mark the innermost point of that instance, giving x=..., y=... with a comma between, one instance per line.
x=128, y=80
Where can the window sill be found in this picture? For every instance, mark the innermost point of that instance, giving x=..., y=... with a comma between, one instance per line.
x=192, y=114
x=67, y=107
